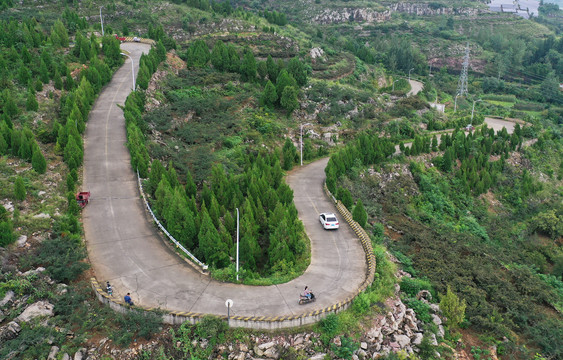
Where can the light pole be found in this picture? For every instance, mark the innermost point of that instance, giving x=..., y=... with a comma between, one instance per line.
x=455, y=102
x=237, y=244
x=132, y=69
x=410, y=73
x=102, y=20
x=301, y=142
x=228, y=304
x=394, y=84
x=473, y=109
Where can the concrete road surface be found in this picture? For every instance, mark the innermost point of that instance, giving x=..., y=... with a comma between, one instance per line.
x=124, y=247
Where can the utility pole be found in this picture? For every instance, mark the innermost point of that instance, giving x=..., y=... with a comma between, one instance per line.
x=102, y=20
x=462, y=83
x=237, y=240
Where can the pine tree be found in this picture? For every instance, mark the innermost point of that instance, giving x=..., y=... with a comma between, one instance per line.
x=219, y=56
x=360, y=215
x=269, y=96
x=248, y=66
x=289, y=154
x=20, y=192
x=345, y=197
x=434, y=143
x=296, y=69
x=233, y=63
x=31, y=102
x=284, y=79
x=272, y=69
x=289, y=99
x=58, y=82
x=262, y=70
x=38, y=160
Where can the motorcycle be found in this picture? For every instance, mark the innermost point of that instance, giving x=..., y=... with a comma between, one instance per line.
x=109, y=289
x=305, y=300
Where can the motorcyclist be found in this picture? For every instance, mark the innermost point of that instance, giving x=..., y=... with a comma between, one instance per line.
x=109, y=288
x=307, y=293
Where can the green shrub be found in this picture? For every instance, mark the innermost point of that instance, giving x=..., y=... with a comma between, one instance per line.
x=329, y=327
x=421, y=309
x=412, y=286
x=62, y=257
x=6, y=233
x=136, y=323
x=361, y=303
x=347, y=348
x=19, y=189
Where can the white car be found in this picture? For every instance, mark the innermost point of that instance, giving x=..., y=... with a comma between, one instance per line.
x=136, y=39
x=329, y=221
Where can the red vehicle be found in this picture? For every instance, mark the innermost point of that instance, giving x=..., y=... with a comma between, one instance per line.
x=119, y=38
x=82, y=198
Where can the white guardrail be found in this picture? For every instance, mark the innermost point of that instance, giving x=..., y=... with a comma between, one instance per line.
x=180, y=246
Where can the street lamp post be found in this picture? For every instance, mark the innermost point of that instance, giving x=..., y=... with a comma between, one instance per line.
x=473, y=109
x=301, y=142
x=102, y=20
x=394, y=84
x=132, y=69
x=410, y=73
x=237, y=241
x=228, y=304
x=455, y=102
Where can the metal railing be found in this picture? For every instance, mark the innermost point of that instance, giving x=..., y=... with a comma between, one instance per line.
x=178, y=245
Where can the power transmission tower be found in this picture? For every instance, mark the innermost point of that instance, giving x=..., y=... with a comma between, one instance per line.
x=462, y=84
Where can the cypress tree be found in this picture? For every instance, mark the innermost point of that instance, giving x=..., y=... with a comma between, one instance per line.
x=289, y=99
x=19, y=189
x=248, y=66
x=38, y=160
x=360, y=215
x=272, y=69
x=296, y=69
x=289, y=154
x=31, y=103
x=269, y=96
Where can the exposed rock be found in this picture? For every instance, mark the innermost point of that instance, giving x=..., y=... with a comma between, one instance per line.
x=33, y=272
x=319, y=356
x=267, y=345
x=436, y=319
x=433, y=340
x=424, y=294
x=9, y=331
x=435, y=308
x=65, y=357
x=40, y=308
x=42, y=216
x=364, y=345
x=441, y=331
x=334, y=16
x=9, y=297
x=402, y=340
x=271, y=353
x=53, y=353
x=417, y=339
x=316, y=53
x=21, y=241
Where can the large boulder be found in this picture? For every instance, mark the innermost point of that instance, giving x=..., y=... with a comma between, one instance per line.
x=436, y=319
x=9, y=297
x=402, y=340
x=9, y=331
x=38, y=309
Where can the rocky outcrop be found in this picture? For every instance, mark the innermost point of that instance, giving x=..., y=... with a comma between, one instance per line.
x=361, y=15
x=40, y=308
x=429, y=9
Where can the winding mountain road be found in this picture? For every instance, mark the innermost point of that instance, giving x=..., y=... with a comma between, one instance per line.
x=125, y=248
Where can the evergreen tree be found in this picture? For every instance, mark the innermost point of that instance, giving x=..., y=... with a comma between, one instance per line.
x=262, y=70
x=219, y=56
x=345, y=197
x=434, y=143
x=289, y=99
x=58, y=82
x=31, y=103
x=289, y=154
x=453, y=309
x=284, y=79
x=269, y=96
x=360, y=215
x=233, y=64
x=23, y=75
x=248, y=66
x=272, y=69
x=198, y=54
x=296, y=69
x=20, y=192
